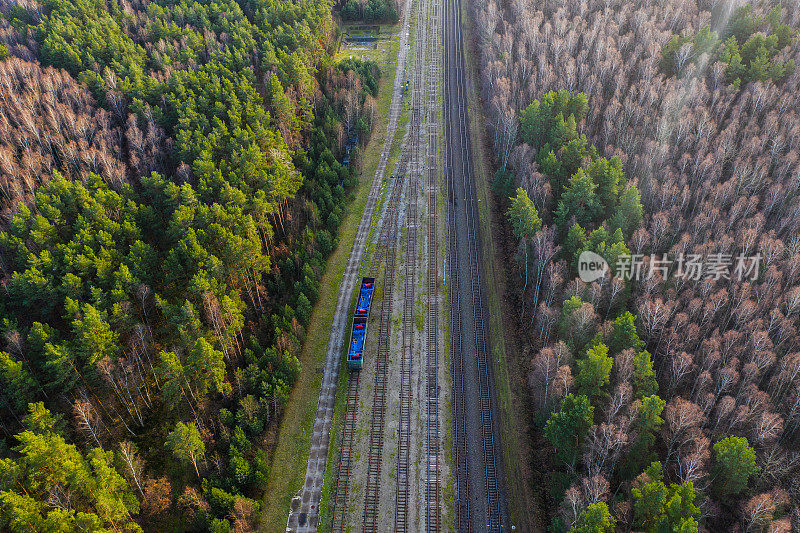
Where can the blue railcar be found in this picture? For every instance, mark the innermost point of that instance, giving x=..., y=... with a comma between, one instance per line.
x=358, y=335
x=365, y=297
x=355, y=354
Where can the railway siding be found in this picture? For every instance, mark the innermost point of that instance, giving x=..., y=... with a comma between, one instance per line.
x=391, y=431
x=304, y=512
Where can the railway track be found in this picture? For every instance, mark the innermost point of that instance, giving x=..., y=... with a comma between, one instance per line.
x=378, y=413
x=406, y=358
x=463, y=518
x=432, y=450
x=385, y=250
x=345, y=456
x=479, y=503
x=407, y=352
x=411, y=168
x=433, y=470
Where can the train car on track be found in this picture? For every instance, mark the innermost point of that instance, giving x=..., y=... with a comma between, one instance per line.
x=358, y=334
x=365, y=297
x=358, y=337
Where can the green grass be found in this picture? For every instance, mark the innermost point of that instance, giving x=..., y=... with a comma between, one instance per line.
x=289, y=460
x=397, y=142
x=521, y=505
x=332, y=466
x=385, y=47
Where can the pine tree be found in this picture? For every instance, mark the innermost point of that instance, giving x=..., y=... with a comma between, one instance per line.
x=579, y=202
x=609, y=177
x=94, y=495
x=173, y=374
x=594, y=371
x=540, y=117
x=18, y=383
x=627, y=211
x=647, y=423
x=304, y=309
x=574, y=243
x=40, y=420
x=205, y=368
x=567, y=428
x=623, y=334
x=657, y=507
x=596, y=518
x=734, y=464
x=523, y=216
x=572, y=155
x=94, y=338
x=644, y=376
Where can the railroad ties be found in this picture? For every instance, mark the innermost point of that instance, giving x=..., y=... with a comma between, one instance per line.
x=375, y=450
x=433, y=472
x=412, y=169
x=418, y=161
x=433, y=467
x=345, y=456
x=484, y=371
x=344, y=471
x=407, y=353
x=463, y=517
x=465, y=276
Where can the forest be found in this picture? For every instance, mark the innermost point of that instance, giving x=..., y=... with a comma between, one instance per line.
x=171, y=188
x=370, y=11
x=664, y=136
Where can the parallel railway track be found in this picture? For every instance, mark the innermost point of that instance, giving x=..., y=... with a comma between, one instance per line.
x=433, y=471
x=432, y=451
x=418, y=160
x=477, y=503
x=378, y=412
x=345, y=456
x=406, y=360
x=384, y=250
x=407, y=351
x=460, y=455
x=304, y=514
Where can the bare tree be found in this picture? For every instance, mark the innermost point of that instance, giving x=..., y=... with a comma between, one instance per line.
x=87, y=420
x=134, y=466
